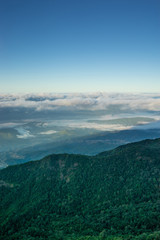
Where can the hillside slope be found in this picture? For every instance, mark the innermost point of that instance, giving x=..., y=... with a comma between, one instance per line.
x=114, y=195
x=87, y=145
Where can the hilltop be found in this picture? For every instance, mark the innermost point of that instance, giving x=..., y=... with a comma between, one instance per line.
x=113, y=195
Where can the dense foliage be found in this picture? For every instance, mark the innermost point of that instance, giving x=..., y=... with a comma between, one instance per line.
x=113, y=195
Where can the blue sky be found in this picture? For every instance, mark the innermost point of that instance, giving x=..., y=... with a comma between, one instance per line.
x=79, y=46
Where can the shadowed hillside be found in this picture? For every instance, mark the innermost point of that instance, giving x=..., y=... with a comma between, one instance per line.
x=87, y=145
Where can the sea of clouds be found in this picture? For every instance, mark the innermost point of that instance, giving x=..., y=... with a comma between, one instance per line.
x=82, y=101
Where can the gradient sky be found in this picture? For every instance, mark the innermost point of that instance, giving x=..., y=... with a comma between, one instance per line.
x=79, y=46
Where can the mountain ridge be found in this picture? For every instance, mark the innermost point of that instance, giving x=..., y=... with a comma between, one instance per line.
x=115, y=195
x=86, y=145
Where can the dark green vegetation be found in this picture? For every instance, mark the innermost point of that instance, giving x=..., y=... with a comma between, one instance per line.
x=114, y=195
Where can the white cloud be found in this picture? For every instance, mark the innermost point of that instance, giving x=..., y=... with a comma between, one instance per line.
x=100, y=127
x=90, y=101
x=48, y=132
x=23, y=133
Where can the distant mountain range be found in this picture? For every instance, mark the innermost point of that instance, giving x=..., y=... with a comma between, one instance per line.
x=113, y=195
x=88, y=145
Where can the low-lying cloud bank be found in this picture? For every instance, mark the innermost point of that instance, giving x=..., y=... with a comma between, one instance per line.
x=80, y=101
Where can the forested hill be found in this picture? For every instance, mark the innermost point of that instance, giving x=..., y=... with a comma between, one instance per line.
x=113, y=195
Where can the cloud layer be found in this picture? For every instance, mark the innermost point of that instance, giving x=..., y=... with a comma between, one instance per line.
x=90, y=101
